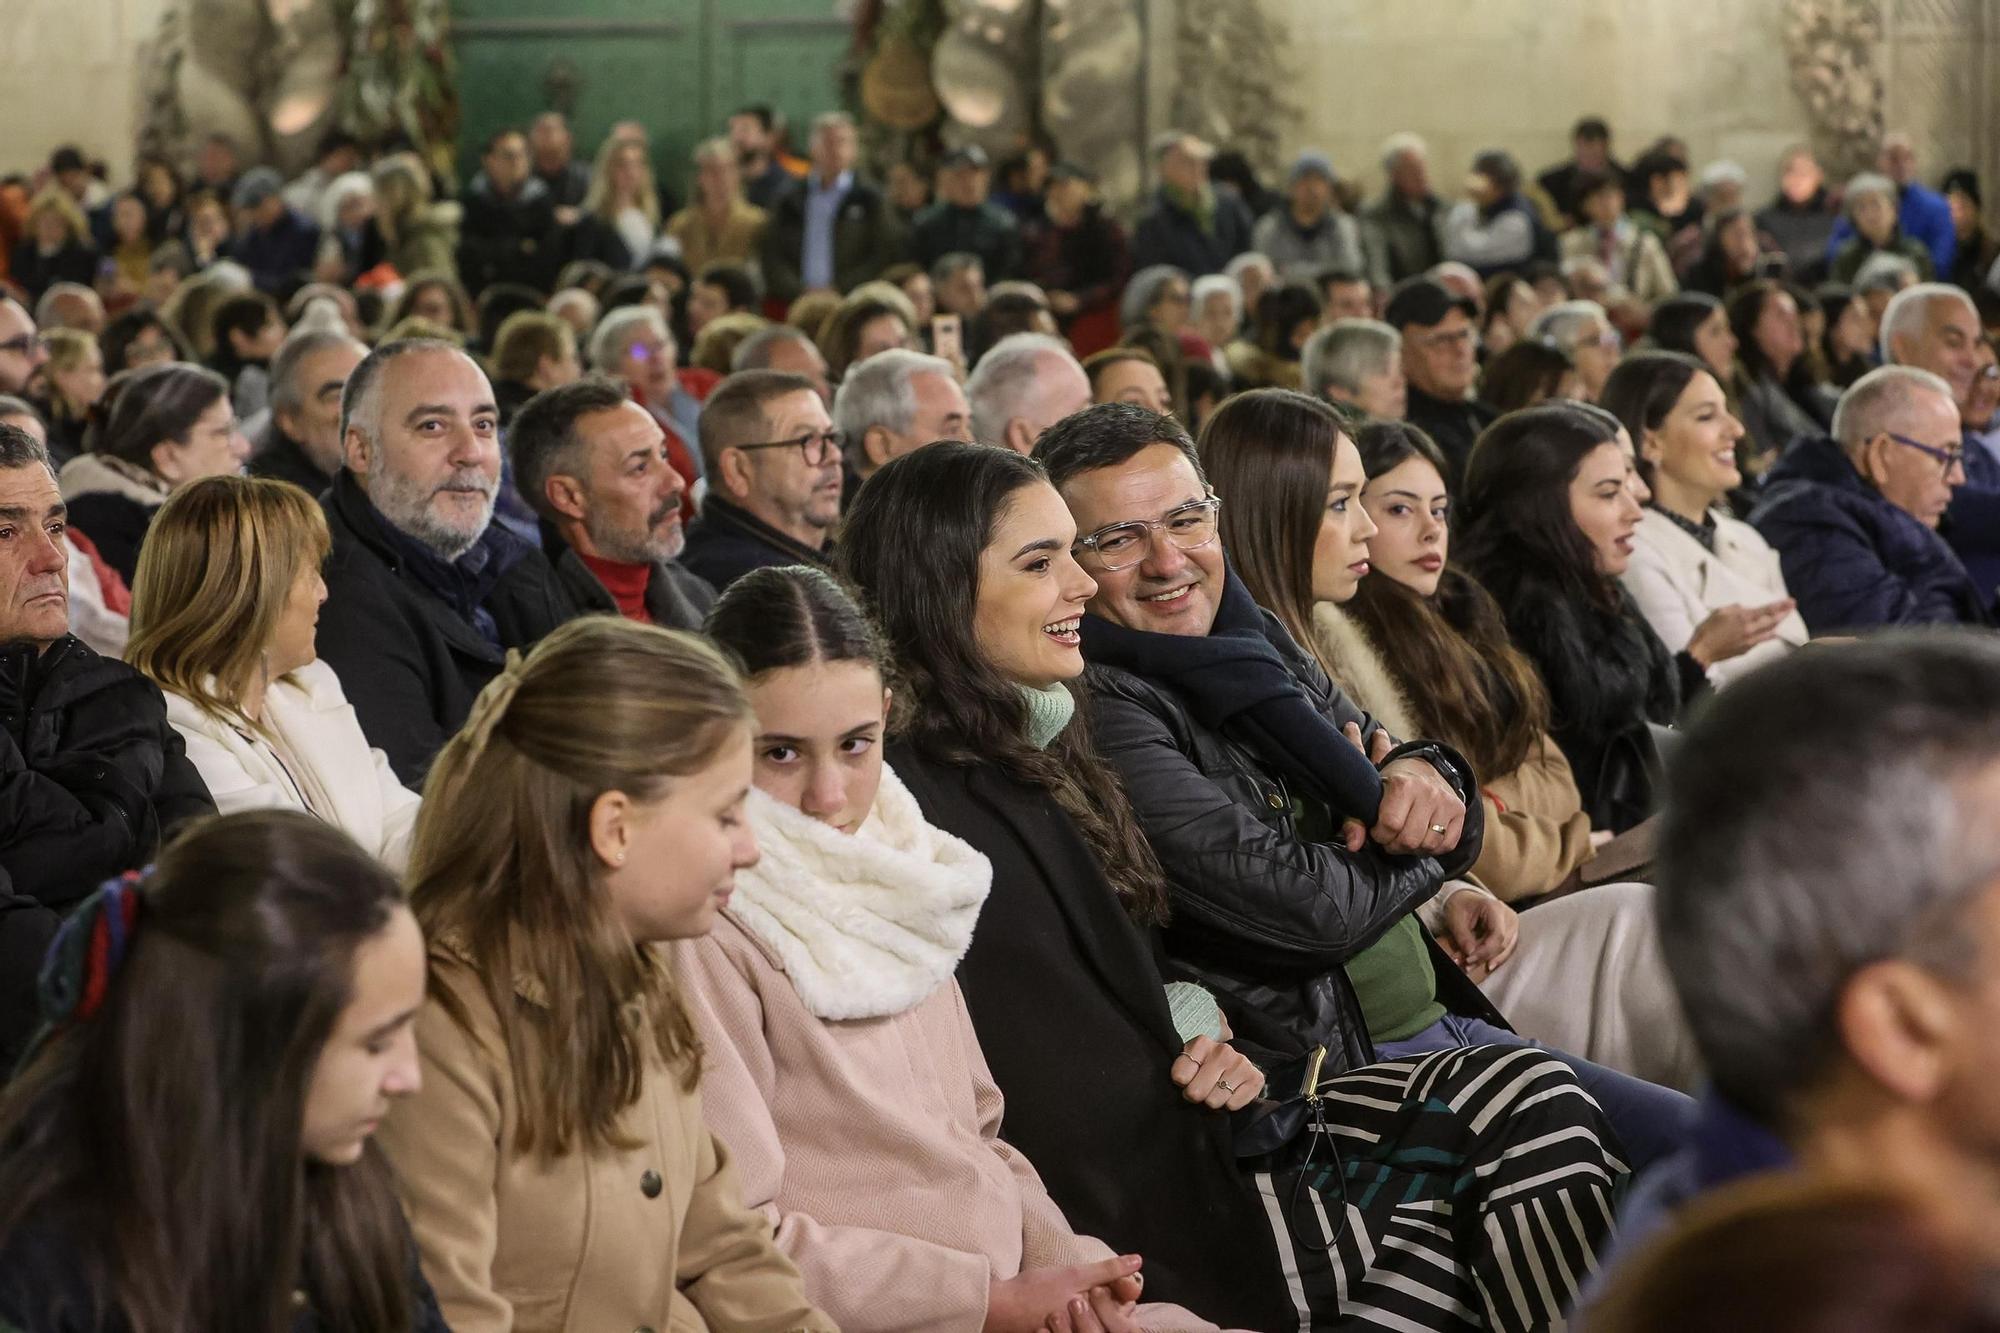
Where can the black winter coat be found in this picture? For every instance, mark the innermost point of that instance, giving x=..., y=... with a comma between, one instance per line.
x=92, y=776
x=727, y=541
x=507, y=239
x=1067, y=997
x=675, y=598
x=1608, y=677
x=1170, y=234
x=26, y=927
x=1262, y=917
x=410, y=662
x=867, y=238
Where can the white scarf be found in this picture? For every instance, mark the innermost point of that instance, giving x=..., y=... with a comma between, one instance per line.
x=865, y=924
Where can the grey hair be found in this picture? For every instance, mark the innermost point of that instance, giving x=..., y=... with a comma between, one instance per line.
x=1398, y=144
x=1724, y=172
x=1343, y=353
x=45, y=309
x=1910, y=308
x=754, y=352
x=1879, y=400
x=1208, y=284
x=1558, y=325
x=615, y=332
x=1248, y=260
x=947, y=265
x=1143, y=291
x=881, y=391
x=1821, y=816
x=1870, y=182
x=1883, y=271
x=17, y=447
x=361, y=400
x=287, y=394
x=1004, y=377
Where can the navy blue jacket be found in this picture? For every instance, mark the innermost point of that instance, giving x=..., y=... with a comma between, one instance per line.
x=1170, y=234
x=280, y=257
x=1972, y=524
x=1852, y=559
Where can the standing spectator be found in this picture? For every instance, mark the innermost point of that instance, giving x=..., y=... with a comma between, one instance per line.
x=909, y=190
x=509, y=230
x=754, y=134
x=1078, y=255
x=720, y=226
x=425, y=593
x=552, y=147
x=276, y=242
x=1590, y=156
x=57, y=247
x=1495, y=227
x=1631, y=255
x=1921, y=213
x=774, y=468
x=1403, y=231
x=1440, y=362
x=620, y=216
x=161, y=428
x=591, y=463
x=1189, y=223
x=1801, y=219
x=832, y=229
x=965, y=220
x=1977, y=247
x=1874, y=229
x=1309, y=231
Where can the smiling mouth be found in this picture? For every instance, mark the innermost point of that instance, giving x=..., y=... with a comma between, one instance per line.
x=1068, y=633
x=1172, y=597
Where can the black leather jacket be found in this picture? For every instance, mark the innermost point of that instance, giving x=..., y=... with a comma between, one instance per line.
x=1263, y=917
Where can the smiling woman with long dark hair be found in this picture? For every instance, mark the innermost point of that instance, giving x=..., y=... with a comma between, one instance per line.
x=191, y=1148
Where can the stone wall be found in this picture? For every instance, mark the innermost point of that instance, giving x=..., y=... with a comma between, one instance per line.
x=1516, y=74
x=68, y=74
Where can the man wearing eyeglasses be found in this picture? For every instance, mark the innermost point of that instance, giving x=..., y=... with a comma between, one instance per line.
x=772, y=460
x=21, y=350
x=1440, y=363
x=1298, y=838
x=1934, y=326
x=1854, y=519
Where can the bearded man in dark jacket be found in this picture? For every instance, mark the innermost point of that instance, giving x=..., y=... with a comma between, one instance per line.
x=92, y=776
x=1295, y=859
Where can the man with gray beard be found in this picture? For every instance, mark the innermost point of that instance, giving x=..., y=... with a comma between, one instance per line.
x=425, y=594
x=594, y=466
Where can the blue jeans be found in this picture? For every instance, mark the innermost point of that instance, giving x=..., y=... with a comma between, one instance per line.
x=1652, y=1121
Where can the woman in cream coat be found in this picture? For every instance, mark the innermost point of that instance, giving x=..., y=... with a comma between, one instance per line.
x=223, y=618
x=842, y=1069
x=1695, y=571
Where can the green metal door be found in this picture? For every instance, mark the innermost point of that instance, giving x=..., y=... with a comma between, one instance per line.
x=679, y=67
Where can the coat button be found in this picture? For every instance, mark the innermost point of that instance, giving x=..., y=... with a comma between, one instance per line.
x=650, y=1184
x=1277, y=801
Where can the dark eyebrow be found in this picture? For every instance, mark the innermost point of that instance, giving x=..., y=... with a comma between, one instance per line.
x=331, y=386
x=16, y=513
x=399, y=1020
x=1408, y=495
x=1045, y=544
x=648, y=451
x=422, y=410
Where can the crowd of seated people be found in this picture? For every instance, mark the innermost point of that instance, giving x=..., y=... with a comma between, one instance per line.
x=929, y=754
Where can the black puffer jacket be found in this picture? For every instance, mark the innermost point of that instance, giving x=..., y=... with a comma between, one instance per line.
x=1263, y=917
x=1609, y=677
x=92, y=776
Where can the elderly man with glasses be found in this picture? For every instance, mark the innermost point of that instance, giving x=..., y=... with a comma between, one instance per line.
x=1854, y=519
x=772, y=461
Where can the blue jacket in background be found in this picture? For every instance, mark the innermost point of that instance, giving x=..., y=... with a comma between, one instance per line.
x=1852, y=559
x=1924, y=216
x=1972, y=524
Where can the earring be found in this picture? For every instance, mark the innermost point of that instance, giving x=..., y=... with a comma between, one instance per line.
x=619, y=859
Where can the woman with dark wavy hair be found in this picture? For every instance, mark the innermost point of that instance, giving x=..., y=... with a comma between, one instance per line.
x=191, y=1145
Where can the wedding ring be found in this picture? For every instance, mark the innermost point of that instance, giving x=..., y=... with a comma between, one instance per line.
x=1225, y=1086
x=1437, y=828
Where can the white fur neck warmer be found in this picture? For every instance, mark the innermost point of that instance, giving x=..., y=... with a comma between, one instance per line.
x=865, y=924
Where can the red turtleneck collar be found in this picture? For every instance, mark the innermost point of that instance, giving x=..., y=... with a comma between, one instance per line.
x=626, y=584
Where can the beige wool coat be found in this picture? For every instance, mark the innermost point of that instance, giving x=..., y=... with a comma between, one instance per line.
x=1678, y=583
x=843, y=1072
x=653, y=1238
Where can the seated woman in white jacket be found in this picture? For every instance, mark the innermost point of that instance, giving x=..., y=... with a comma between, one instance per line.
x=225, y=605
x=841, y=1068
x=1695, y=571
